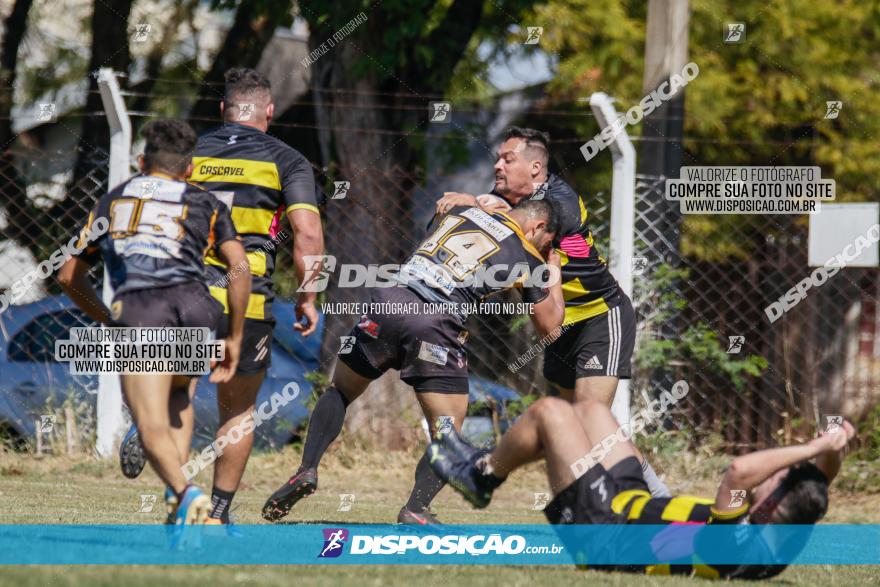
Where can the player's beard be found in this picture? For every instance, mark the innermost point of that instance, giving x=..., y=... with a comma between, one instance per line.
x=545, y=250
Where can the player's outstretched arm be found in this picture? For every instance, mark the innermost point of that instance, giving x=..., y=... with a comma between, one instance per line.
x=239, y=290
x=549, y=313
x=308, y=239
x=747, y=471
x=74, y=280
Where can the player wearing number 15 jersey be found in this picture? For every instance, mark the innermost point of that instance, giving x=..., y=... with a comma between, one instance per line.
x=262, y=180
x=468, y=256
x=158, y=229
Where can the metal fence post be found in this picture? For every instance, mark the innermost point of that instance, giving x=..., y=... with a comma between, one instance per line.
x=111, y=423
x=623, y=185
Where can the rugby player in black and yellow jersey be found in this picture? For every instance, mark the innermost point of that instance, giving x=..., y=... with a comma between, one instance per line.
x=594, y=350
x=596, y=347
x=787, y=485
x=159, y=229
x=468, y=256
x=262, y=179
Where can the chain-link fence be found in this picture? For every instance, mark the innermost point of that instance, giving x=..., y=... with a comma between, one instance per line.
x=702, y=318
x=40, y=211
x=701, y=287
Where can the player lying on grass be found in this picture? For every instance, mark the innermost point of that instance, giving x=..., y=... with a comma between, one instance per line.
x=429, y=348
x=773, y=486
x=160, y=228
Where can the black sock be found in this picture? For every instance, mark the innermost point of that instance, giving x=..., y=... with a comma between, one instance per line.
x=324, y=426
x=180, y=495
x=426, y=488
x=220, y=502
x=487, y=477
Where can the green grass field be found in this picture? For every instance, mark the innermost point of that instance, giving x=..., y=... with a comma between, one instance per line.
x=81, y=490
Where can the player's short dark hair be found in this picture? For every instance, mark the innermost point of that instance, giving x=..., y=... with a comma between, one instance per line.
x=243, y=84
x=542, y=209
x=537, y=142
x=805, y=496
x=169, y=145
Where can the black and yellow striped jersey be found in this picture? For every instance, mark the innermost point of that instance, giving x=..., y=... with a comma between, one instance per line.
x=588, y=287
x=638, y=507
x=261, y=179
x=470, y=255
x=158, y=231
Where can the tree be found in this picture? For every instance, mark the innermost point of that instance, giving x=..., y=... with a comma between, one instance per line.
x=372, y=83
x=180, y=11
x=12, y=197
x=14, y=27
x=371, y=92
x=254, y=25
x=759, y=102
x=110, y=48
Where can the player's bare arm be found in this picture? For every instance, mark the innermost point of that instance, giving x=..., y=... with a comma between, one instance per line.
x=308, y=240
x=74, y=280
x=493, y=204
x=549, y=313
x=747, y=471
x=488, y=202
x=829, y=462
x=232, y=253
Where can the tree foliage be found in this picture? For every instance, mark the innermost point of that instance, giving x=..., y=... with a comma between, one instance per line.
x=699, y=345
x=761, y=102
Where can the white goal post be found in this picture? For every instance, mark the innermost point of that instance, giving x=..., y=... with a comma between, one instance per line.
x=110, y=416
x=623, y=188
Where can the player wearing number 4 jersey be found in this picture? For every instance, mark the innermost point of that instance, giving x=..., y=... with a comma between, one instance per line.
x=468, y=256
x=159, y=229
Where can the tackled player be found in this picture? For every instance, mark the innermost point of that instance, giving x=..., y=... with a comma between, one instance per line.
x=429, y=348
x=772, y=486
